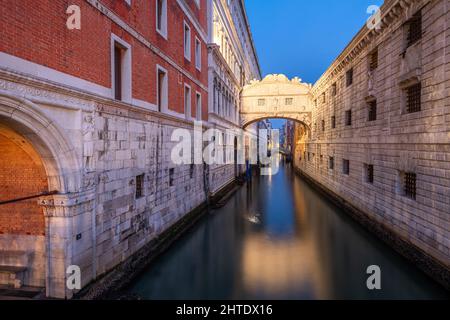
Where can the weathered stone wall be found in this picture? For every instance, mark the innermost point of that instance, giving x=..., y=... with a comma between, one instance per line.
x=397, y=141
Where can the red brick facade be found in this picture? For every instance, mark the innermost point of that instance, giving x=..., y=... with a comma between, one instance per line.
x=36, y=31
x=21, y=175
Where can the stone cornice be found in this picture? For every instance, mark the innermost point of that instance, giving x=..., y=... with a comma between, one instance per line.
x=51, y=93
x=389, y=11
x=122, y=24
x=187, y=10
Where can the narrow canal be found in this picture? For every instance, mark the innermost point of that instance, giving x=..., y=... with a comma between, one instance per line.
x=277, y=238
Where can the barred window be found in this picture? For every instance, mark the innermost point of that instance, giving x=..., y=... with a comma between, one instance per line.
x=289, y=101
x=331, y=163
x=373, y=60
x=413, y=98
x=334, y=89
x=410, y=180
x=369, y=173
x=414, y=29
x=349, y=77
x=372, y=110
x=348, y=117
x=323, y=125
x=324, y=98
x=333, y=122
x=346, y=166
x=171, y=177
x=261, y=102
x=139, y=186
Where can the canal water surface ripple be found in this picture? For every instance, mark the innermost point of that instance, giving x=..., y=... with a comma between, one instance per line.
x=277, y=238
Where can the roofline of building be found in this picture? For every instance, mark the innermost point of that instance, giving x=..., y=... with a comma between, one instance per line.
x=385, y=8
x=247, y=24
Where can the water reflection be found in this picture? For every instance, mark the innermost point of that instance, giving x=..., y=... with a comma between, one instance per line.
x=279, y=239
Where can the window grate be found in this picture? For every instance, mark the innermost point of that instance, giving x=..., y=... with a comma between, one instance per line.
x=323, y=125
x=374, y=60
x=413, y=98
x=331, y=163
x=369, y=173
x=410, y=185
x=346, y=166
x=334, y=89
x=171, y=177
x=414, y=29
x=348, y=117
x=139, y=186
x=349, y=77
x=373, y=110
x=333, y=122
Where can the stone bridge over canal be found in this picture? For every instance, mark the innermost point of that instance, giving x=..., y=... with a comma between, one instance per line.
x=277, y=97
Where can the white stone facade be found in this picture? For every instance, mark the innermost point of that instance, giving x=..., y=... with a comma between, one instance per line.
x=232, y=64
x=394, y=142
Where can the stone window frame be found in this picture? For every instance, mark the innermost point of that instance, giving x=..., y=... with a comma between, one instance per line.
x=373, y=59
x=187, y=105
x=198, y=54
x=348, y=118
x=261, y=102
x=333, y=122
x=413, y=36
x=171, y=177
x=349, y=77
x=198, y=106
x=346, y=167
x=139, y=186
x=334, y=89
x=165, y=90
x=331, y=163
x=289, y=101
x=372, y=109
x=126, y=68
x=369, y=173
x=163, y=29
x=187, y=41
x=407, y=184
x=404, y=87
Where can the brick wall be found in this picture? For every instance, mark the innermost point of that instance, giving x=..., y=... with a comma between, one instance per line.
x=20, y=176
x=36, y=31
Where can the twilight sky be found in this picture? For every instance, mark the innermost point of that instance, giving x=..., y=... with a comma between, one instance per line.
x=303, y=37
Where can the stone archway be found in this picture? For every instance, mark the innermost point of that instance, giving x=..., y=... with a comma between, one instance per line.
x=276, y=97
x=28, y=130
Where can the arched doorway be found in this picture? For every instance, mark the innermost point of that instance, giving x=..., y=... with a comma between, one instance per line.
x=35, y=231
x=22, y=223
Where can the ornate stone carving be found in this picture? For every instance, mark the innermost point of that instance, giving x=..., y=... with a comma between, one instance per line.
x=283, y=98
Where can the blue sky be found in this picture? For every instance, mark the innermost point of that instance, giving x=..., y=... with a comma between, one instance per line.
x=303, y=37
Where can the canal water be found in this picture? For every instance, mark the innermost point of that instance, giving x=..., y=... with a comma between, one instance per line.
x=277, y=238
